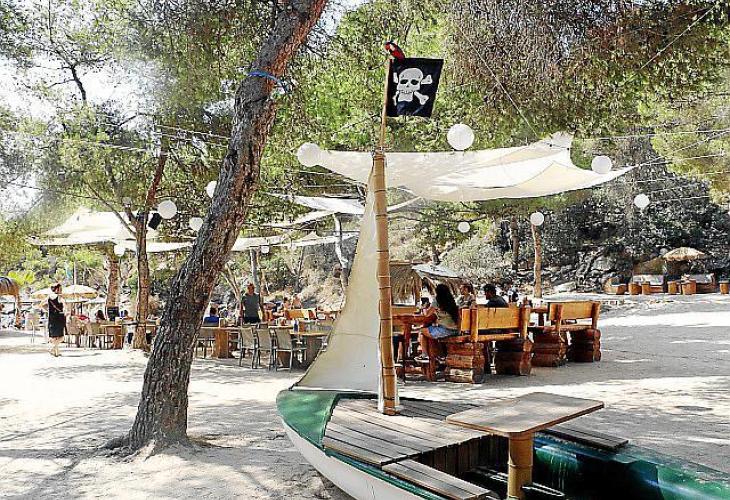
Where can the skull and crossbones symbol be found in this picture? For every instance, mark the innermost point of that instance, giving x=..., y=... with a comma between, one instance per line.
x=408, y=84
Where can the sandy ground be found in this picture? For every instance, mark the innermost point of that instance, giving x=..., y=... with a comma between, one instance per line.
x=665, y=378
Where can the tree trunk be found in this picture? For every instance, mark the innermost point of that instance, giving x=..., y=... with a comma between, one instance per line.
x=255, y=269
x=163, y=408
x=339, y=251
x=139, y=340
x=538, y=260
x=514, y=231
x=112, y=278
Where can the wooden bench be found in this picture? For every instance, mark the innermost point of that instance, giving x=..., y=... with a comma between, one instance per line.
x=468, y=355
x=578, y=434
x=650, y=283
x=551, y=341
x=439, y=482
x=705, y=283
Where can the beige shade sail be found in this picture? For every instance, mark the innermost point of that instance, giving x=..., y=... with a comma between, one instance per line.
x=539, y=169
x=684, y=254
x=352, y=361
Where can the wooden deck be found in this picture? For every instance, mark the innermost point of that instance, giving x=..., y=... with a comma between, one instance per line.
x=417, y=445
x=420, y=432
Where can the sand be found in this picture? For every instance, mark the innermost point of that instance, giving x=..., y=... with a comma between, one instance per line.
x=665, y=378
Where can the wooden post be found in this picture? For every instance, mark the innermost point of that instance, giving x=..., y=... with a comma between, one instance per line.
x=519, y=466
x=387, y=365
x=538, y=260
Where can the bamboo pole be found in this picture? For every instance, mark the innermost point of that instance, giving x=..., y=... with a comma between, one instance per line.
x=389, y=402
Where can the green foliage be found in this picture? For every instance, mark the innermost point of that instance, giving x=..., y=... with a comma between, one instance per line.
x=683, y=142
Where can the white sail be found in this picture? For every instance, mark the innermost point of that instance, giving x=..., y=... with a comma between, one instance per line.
x=352, y=360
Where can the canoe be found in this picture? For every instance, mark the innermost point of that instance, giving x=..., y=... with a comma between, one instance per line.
x=578, y=470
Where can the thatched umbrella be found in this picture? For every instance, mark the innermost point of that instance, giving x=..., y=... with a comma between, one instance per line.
x=408, y=279
x=682, y=254
x=10, y=287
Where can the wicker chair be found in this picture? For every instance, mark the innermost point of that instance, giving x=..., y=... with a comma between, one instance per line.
x=247, y=342
x=284, y=343
x=266, y=344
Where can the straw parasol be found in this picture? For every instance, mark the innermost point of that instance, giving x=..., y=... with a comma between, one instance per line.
x=684, y=254
x=71, y=293
x=409, y=278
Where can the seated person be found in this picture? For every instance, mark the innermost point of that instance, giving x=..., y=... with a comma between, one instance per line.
x=466, y=298
x=493, y=299
x=99, y=317
x=425, y=305
x=296, y=302
x=212, y=317
x=442, y=322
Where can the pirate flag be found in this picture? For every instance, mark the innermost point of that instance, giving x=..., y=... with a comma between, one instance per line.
x=412, y=85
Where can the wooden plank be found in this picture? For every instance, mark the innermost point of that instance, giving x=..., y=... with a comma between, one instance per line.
x=492, y=318
x=370, y=443
x=451, y=434
x=446, y=434
x=526, y=414
x=443, y=406
x=354, y=419
x=422, y=445
x=363, y=439
x=586, y=436
x=574, y=310
x=360, y=454
x=437, y=481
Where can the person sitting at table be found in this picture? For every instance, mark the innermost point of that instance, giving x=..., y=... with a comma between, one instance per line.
x=212, y=317
x=99, y=316
x=424, y=306
x=252, y=309
x=466, y=297
x=442, y=322
x=296, y=302
x=493, y=298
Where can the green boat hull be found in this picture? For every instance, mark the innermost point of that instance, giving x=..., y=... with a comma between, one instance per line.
x=580, y=471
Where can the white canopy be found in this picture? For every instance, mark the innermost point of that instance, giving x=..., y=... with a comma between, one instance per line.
x=539, y=169
x=244, y=244
x=312, y=240
x=85, y=227
x=304, y=219
x=326, y=203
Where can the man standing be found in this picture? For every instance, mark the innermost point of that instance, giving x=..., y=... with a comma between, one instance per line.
x=251, y=305
x=493, y=299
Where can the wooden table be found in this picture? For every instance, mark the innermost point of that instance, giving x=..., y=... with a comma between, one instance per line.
x=117, y=334
x=518, y=419
x=313, y=342
x=221, y=337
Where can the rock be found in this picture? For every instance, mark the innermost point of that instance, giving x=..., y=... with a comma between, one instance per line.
x=569, y=286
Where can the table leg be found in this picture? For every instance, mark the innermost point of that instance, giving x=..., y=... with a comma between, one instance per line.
x=519, y=466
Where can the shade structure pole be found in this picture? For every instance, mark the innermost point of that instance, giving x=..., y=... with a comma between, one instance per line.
x=388, y=403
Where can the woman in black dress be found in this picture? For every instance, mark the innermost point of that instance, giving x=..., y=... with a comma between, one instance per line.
x=56, y=319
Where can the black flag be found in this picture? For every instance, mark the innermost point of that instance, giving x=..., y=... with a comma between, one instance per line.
x=412, y=85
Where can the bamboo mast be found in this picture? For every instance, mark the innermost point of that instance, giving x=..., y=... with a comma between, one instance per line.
x=389, y=402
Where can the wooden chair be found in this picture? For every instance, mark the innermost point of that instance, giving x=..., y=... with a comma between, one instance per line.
x=580, y=320
x=247, y=342
x=469, y=355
